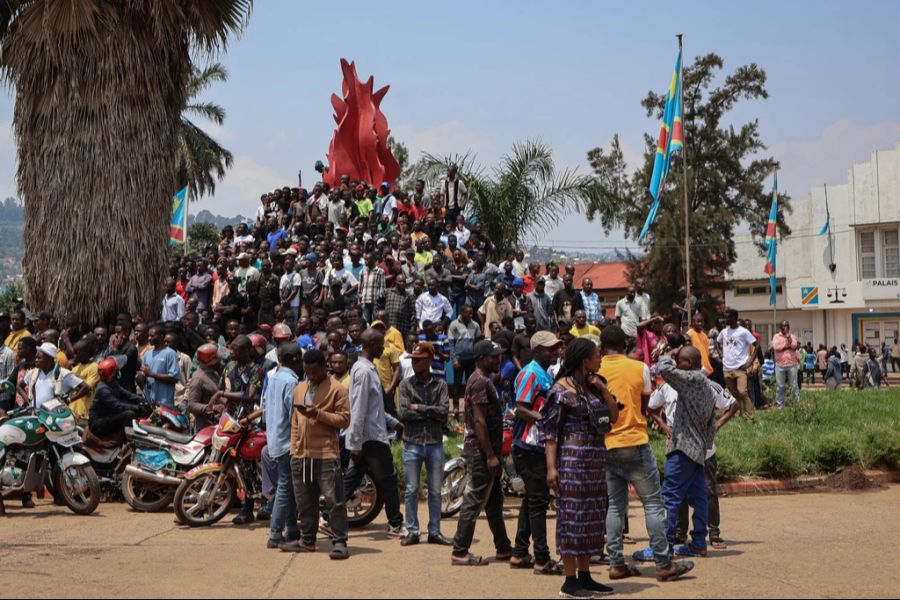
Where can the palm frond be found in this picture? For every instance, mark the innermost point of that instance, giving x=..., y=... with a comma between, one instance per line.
x=207, y=110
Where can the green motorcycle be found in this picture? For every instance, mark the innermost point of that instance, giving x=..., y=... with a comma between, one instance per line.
x=41, y=448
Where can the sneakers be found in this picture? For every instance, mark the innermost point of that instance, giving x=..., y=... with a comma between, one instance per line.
x=596, y=587
x=265, y=512
x=397, y=532
x=644, y=555
x=27, y=501
x=411, y=539
x=298, y=546
x=689, y=550
x=575, y=591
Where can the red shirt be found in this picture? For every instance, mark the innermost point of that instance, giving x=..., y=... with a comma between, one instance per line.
x=530, y=283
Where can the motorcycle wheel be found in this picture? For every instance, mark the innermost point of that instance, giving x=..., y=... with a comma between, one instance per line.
x=365, y=504
x=199, y=504
x=145, y=496
x=79, y=488
x=452, y=487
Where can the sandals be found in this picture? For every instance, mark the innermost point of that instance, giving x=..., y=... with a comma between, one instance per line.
x=674, y=571
x=524, y=562
x=503, y=556
x=717, y=543
x=623, y=572
x=469, y=560
x=551, y=567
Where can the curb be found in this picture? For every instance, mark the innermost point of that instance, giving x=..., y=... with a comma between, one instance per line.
x=774, y=486
x=778, y=486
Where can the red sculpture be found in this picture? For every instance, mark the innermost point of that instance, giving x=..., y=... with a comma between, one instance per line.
x=359, y=146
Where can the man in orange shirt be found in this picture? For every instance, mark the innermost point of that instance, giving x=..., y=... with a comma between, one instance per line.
x=629, y=459
x=700, y=341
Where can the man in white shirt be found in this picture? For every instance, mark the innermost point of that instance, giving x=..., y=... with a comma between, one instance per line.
x=554, y=282
x=289, y=291
x=456, y=194
x=630, y=312
x=245, y=272
x=47, y=380
x=173, y=304
x=432, y=306
x=342, y=275
x=461, y=232
x=642, y=295
x=738, y=350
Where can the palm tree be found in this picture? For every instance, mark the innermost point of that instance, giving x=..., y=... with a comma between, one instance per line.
x=524, y=195
x=201, y=160
x=100, y=87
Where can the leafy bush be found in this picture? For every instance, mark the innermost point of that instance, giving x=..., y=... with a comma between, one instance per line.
x=8, y=293
x=834, y=451
x=777, y=457
x=881, y=448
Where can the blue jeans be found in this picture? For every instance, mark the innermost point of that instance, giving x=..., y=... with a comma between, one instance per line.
x=433, y=457
x=685, y=480
x=284, y=511
x=635, y=465
x=785, y=377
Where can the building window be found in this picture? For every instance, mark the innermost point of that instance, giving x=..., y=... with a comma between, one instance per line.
x=891, y=253
x=867, y=255
x=755, y=291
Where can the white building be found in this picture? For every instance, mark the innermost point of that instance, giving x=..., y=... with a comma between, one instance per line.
x=837, y=288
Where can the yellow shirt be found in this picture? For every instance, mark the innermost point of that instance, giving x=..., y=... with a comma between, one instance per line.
x=588, y=331
x=700, y=341
x=88, y=373
x=12, y=340
x=62, y=360
x=627, y=380
x=385, y=365
x=395, y=339
x=344, y=381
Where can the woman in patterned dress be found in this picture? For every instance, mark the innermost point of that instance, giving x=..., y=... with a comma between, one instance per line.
x=576, y=464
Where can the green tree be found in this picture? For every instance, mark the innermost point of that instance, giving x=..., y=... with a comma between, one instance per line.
x=401, y=153
x=9, y=291
x=201, y=160
x=99, y=91
x=201, y=234
x=523, y=195
x=729, y=183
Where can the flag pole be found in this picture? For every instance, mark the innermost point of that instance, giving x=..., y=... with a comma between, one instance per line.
x=687, y=230
x=775, y=291
x=187, y=205
x=828, y=223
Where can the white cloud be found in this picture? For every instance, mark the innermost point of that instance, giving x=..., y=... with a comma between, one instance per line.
x=826, y=159
x=452, y=137
x=239, y=192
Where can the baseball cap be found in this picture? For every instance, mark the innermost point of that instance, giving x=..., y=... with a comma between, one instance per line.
x=423, y=350
x=48, y=349
x=243, y=256
x=292, y=251
x=385, y=185
x=487, y=348
x=518, y=282
x=311, y=257
x=282, y=332
x=378, y=324
x=544, y=339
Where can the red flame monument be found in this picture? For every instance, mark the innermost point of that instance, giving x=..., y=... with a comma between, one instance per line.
x=359, y=146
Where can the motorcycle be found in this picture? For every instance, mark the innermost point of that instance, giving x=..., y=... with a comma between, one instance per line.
x=36, y=449
x=160, y=458
x=207, y=492
x=367, y=502
x=456, y=477
x=110, y=455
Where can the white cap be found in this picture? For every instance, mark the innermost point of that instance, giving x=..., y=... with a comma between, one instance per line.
x=48, y=349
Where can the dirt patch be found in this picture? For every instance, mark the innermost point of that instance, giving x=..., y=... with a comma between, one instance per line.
x=850, y=478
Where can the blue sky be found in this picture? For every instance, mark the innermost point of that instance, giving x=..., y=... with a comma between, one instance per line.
x=478, y=76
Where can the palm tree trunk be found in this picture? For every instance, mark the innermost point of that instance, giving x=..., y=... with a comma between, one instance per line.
x=96, y=132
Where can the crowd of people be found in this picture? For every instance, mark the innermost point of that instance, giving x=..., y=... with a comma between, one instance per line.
x=355, y=317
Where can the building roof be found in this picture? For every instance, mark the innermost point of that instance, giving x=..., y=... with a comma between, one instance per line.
x=606, y=276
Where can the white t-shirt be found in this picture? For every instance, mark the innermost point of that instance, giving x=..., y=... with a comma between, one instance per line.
x=406, y=368
x=666, y=397
x=288, y=281
x=736, y=344
x=44, y=387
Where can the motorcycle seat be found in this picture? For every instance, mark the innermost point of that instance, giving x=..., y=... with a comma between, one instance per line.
x=92, y=440
x=173, y=436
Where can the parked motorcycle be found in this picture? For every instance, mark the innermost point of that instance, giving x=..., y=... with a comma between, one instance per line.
x=36, y=449
x=456, y=476
x=367, y=502
x=207, y=492
x=160, y=458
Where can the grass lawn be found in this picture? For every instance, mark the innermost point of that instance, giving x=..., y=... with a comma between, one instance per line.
x=821, y=433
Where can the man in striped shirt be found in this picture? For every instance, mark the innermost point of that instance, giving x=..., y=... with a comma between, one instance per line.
x=371, y=287
x=533, y=383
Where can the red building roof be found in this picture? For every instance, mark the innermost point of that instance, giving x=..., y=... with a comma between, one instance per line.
x=606, y=276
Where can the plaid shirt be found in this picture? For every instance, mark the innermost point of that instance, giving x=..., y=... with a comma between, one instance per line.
x=592, y=306
x=371, y=285
x=401, y=308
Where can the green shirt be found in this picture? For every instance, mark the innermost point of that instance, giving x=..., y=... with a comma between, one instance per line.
x=365, y=207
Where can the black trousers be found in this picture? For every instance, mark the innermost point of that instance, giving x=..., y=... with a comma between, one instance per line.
x=532, y=468
x=483, y=492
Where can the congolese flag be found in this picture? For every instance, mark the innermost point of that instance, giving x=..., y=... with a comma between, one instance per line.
x=671, y=139
x=178, y=225
x=772, y=243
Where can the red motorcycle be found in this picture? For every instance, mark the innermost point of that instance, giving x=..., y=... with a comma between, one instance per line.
x=207, y=492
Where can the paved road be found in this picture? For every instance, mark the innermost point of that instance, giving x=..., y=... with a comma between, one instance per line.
x=803, y=545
